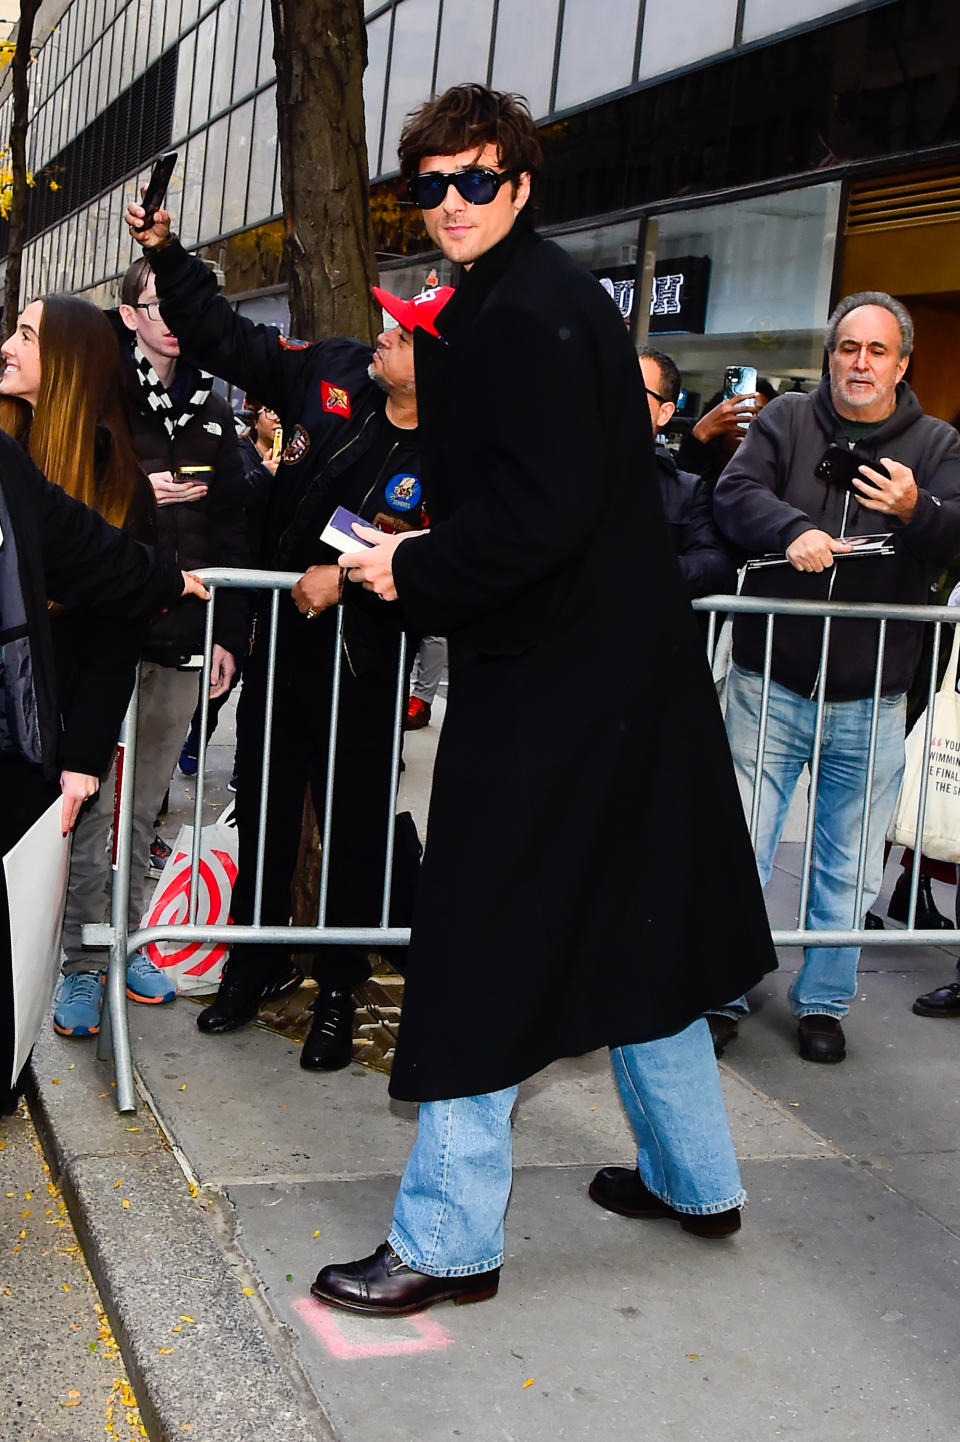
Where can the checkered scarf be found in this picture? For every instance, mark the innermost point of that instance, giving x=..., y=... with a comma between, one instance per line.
x=158, y=398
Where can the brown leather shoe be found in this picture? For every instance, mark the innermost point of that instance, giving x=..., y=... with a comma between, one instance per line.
x=383, y=1286
x=621, y=1190
x=820, y=1038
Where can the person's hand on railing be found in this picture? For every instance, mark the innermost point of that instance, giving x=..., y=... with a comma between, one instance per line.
x=814, y=550
x=193, y=586
x=317, y=590
x=374, y=568
x=76, y=788
x=155, y=235
x=895, y=495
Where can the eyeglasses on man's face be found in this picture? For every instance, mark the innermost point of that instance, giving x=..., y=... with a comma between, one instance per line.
x=662, y=400
x=476, y=184
x=152, y=307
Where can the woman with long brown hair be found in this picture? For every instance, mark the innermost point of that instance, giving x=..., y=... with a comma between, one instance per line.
x=62, y=398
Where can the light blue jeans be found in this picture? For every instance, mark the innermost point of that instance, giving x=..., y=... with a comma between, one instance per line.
x=449, y=1214
x=827, y=979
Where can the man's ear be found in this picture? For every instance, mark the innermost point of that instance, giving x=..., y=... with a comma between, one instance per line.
x=129, y=316
x=522, y=192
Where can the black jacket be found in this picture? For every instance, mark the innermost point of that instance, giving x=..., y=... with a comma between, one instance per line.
x=702, y=555
x=209, y=532
x=768, y=495
x=564, y=841
x=329, y=409
x=68, y=554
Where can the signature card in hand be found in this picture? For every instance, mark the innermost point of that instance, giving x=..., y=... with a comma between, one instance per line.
x=339, y=533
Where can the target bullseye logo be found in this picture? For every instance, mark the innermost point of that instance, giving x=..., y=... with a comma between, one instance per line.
x=218, y=872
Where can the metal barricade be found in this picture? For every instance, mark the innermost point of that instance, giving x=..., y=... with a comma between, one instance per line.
x=114, y=1039
x=114, y=1036
x=831, y=612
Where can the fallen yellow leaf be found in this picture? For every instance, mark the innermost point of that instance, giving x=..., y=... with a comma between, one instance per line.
x=528, y=1382
x=185, y=1318
x=118, y=1184
x=315, y=1235
x=164, y=1351
x=692, y=1356
x=125, y=1204
x=183, y=1086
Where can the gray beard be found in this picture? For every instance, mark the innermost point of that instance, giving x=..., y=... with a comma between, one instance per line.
x=378, y=379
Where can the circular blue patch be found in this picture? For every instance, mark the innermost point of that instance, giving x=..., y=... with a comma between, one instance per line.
x=403, y=492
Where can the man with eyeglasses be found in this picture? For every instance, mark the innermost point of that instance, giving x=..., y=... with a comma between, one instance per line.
x=352, y=439
x=179, y=425
x=705, y=563
x=564, y=902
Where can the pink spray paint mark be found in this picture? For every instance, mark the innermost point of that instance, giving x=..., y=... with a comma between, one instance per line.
x=322, y=1320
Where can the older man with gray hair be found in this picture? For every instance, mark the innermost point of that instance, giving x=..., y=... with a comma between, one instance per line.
x=771, y=498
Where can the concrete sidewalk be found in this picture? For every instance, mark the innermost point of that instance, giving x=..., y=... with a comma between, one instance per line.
x=831, y=1316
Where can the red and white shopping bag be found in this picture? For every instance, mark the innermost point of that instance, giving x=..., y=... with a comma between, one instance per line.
x=195, y=966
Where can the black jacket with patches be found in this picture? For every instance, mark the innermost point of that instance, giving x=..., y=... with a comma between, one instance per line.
x=328, y=406
x=769, y=495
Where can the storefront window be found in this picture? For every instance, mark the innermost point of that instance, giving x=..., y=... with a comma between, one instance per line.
x=743, y=284
x=610, y=252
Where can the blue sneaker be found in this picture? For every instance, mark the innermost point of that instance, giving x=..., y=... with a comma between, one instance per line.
x=77, y=1012
x=146, y=982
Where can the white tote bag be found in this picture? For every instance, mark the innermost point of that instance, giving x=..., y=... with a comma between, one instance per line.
x=195, y=966
x=941, y=822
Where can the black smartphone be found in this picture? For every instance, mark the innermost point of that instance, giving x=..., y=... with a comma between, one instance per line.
x=196, y=475
x=156, y=189
x=838, y=466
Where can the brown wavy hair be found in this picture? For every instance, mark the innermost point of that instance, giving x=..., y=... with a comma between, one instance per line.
x=81, y=393
x=468, y=117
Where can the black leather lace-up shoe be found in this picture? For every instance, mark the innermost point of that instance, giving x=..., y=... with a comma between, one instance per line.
x=328, y=1045
x=621, y=1190
x=945, y=1001
x=820, y=1038
x=240, y=997
x=383, y=1286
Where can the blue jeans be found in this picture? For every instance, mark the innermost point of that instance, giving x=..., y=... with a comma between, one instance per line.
x=449, y=1213
x=827, y=979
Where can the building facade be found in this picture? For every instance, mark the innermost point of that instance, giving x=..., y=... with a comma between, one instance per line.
x=725, y=167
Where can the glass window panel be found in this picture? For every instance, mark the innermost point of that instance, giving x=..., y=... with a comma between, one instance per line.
x=98, y=98
x=90, y=24
x=267, y=69
x=370, y=5
x=174, y=198
x=766, y=17
x=131, y=48
x=212, y=205
x=225, y=45
x=771, y=264
x=189, y=12
x=464, y=43
x=171, y=22
x=192, y=187
x=249, y=25
x=596, y=49
x=238, y=163
x=155, y=42
x=678, y=32
x=411, y=69
x=116, y=55
x=378, y=36
x=203, y=70
x=263, y=158
x=181, y=102
x=524, y=49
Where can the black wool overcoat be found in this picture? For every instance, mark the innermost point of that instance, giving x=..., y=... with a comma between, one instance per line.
x=588, y=878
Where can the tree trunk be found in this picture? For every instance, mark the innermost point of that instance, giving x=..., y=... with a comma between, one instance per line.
x=320, y=50
x=18, y=164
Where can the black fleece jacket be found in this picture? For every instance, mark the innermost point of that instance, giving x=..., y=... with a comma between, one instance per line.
x=769, y=494
x=706, y=564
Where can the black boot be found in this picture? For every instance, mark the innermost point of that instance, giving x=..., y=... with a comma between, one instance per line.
x=928, y=918
x=329, y=1043
x=242, y=992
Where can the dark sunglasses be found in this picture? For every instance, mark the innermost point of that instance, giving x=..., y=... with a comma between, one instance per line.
x=476, y=185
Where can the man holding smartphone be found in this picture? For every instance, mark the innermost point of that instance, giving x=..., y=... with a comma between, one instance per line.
x=776, y=495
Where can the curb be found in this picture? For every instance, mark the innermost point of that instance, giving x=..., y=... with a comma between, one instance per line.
x=205, y=1356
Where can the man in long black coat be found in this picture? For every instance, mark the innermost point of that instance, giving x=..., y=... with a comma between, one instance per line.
x=588, y=879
